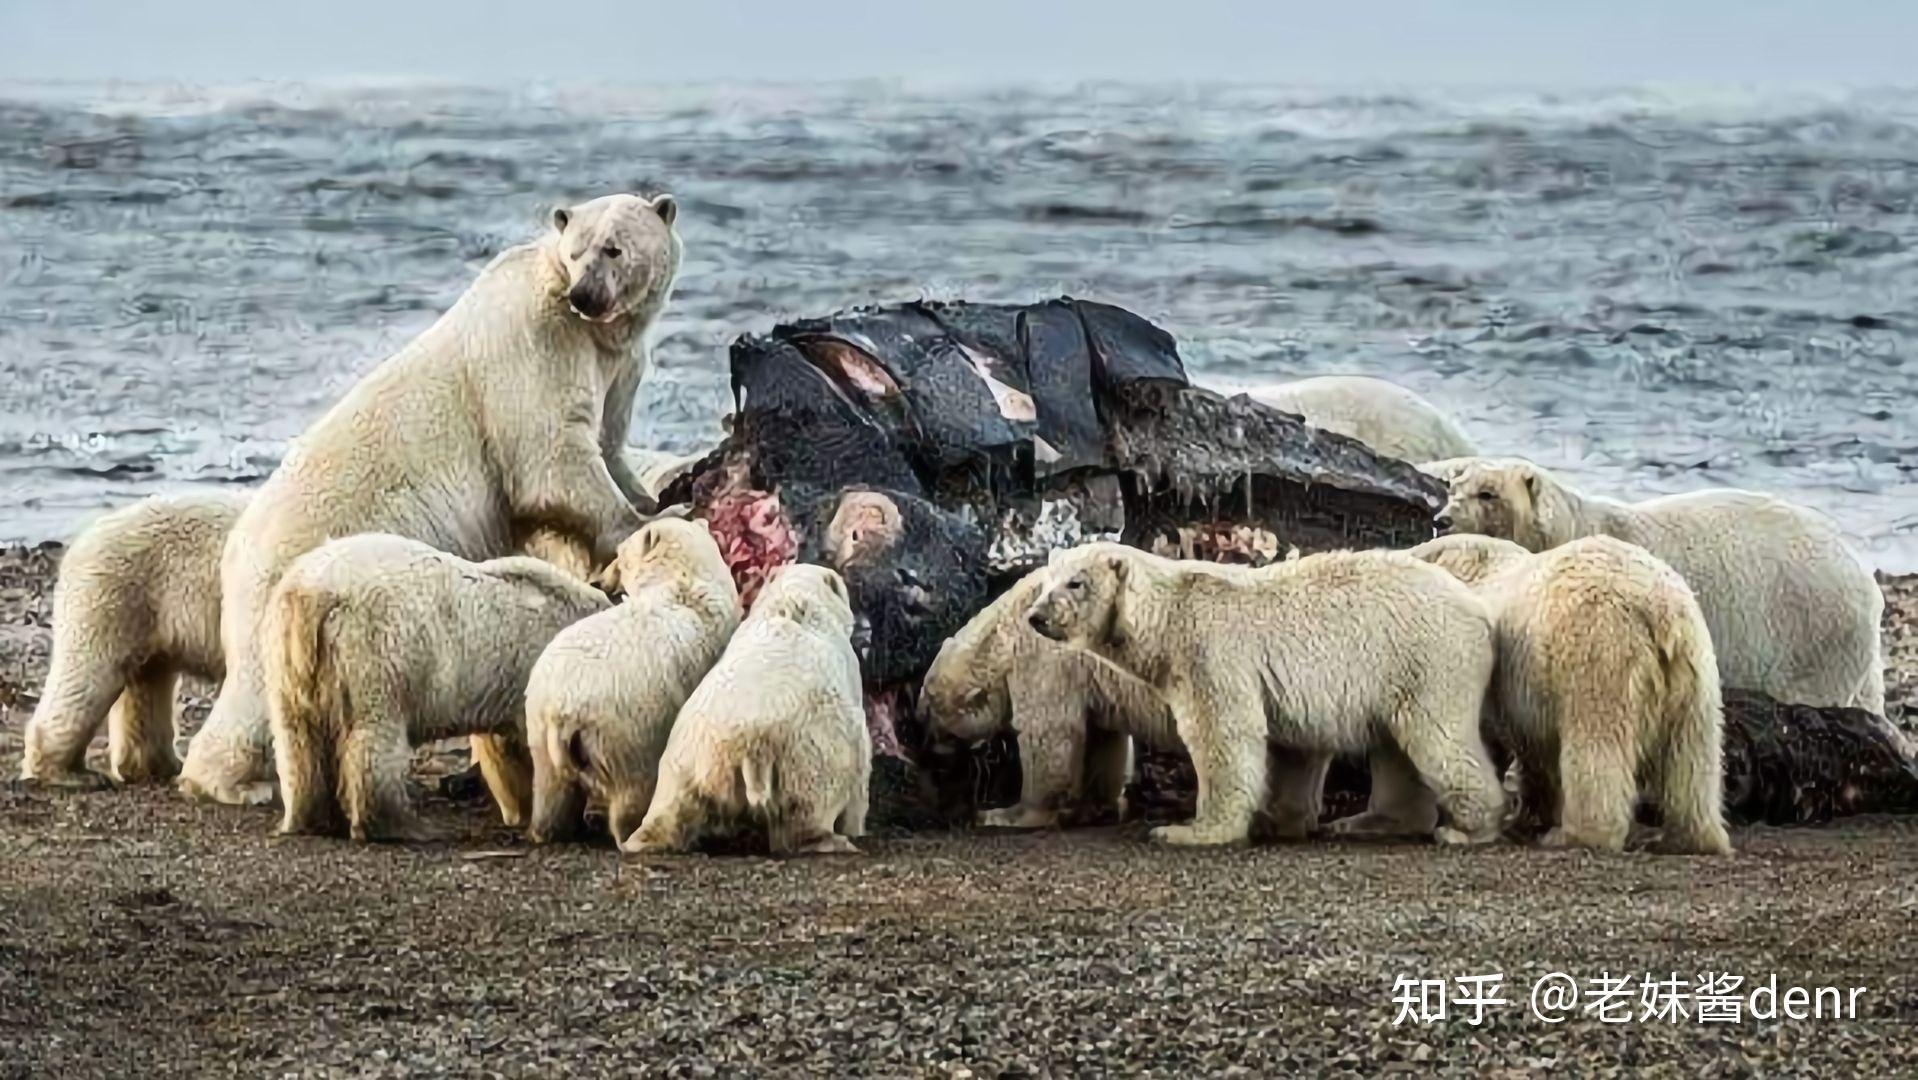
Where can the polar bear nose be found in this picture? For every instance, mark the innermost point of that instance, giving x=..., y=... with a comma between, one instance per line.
x=1443, y=522
x=586, y=301
x=1037, y=622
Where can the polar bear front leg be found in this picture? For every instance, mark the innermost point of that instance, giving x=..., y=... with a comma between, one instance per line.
x=1051, y=756
x=1400, y=805
x=1102, y=778
x=616, y=422
x=572, y=488
x=1227, y=745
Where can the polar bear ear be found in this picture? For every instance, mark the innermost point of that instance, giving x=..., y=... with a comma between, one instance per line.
x=560, y=217
x=666, y=207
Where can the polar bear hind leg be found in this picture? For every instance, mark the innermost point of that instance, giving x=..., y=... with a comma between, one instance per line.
x=1400, y=806
x=1440, y=737
x=507, y=768
x=1295, y=788
x=140, y=728
x=374, y=757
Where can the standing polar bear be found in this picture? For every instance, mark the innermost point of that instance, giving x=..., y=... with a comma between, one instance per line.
x=1075, y=717
x=1793, y=612
x=377, y=643
x=1339, y=652
x=1384, y=416
x=503, y=421
x=602, y=697
x=775, y=733
x=1605, y=674
x=136, y=606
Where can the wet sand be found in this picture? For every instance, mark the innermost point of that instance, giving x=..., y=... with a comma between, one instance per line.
x=144, y=935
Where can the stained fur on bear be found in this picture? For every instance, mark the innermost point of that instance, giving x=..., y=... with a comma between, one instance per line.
x=1371, y=652
x=136, y=605
x=503, y=420
x=774, y=738
x=602, y=698
x=1605, y=676
x=375, y=644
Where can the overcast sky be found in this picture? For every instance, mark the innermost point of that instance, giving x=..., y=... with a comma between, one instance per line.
x=1764, y=43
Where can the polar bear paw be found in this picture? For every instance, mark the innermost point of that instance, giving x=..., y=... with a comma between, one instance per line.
x=1446, y=834
x=1193, y=836
x=1017, y=817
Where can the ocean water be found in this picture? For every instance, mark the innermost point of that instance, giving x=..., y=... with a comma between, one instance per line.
x=1652, y=293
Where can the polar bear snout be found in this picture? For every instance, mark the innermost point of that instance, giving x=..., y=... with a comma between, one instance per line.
x=588, y=301
x=1041, y=621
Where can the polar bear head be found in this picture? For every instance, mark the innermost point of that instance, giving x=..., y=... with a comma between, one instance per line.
x=1082, y=599
x=619, y=255
x=813, y=596
x=669, y=551
x=1507, y=498
x=965, y=693
x=1469, y=557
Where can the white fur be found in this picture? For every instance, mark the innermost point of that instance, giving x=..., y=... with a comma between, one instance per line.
x=775, y=734
x=375, y=644
x=137, y=605
x=603, y=696
x=504, y=419
x=1794, y=613
x=1340, y=652
x=1605, y=675
x=1384, y=416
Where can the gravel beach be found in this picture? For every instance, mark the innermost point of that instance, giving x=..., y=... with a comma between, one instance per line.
x=141, y=934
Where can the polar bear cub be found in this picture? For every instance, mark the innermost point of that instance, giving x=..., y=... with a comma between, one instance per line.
x=137, y=605
x=502, y=421
x=377, y=643
x=1339, y=652
x=1384, y=416
x=1605, y=675
x=775, y=734
x=1793, y=611
x=602, y=698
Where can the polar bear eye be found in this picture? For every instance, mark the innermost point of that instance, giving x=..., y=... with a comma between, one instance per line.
x=1076, y=584
x=1487, y=496
x=609, y=251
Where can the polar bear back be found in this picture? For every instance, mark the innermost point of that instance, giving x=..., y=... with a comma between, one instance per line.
x=1332, y=643
x=1383, y=415
x=461, y=637
x=1784, y=595
x=153, y=571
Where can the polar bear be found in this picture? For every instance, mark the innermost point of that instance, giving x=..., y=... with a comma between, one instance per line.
x=1074, y=717
x=602, y=697
x=775, y=733
x=376, y=643
x=1605, y=674
x=503, y=420
x=136, y=606
x=1384, y=416
x=1793, y=611
x=1337, y=652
